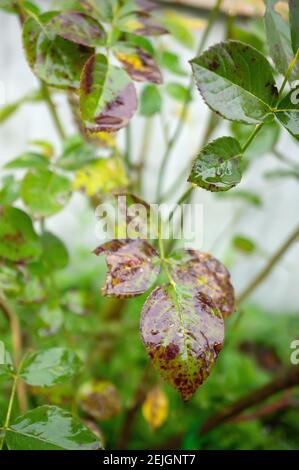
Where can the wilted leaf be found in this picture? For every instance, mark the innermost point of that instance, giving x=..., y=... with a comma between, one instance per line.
x=45, y=192
x=100, y=400
x=50, y=428
x=183, y=332
x=107, y=96
x=49, y=367
x=279, y=39
x=133, y=266
x=236, y=81
x=18, y=240
x=150, y=101
x=52, y=58
x=204, y=272
x=155, y=408
x=288, y=112
x=101, y=176
x=139, y=64
x=218, y=165
x=79, y=28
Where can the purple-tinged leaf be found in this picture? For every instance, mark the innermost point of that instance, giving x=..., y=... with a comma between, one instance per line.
x=133, y=266
x=140, y=65
x=107, y=96
x=78, y=27
x=206, y=273
x=183, y=332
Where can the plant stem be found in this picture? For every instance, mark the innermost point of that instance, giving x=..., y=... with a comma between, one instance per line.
x=252, y=136
x=288, y=74
x=180, y=124
x=145, y=145
x=128, y=152
x=261, y=276
x=17, y=347
x=53, y=111
x=9, y=409
x=287, y=379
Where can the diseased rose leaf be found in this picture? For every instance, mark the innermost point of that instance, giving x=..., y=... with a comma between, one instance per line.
x=288, y=112
x=78, y=27
x=183, y=332
x=279, y=40
x=139, y=64
x=236, y=81
x=52, y=58
x=18, y=240
x=133, y=266
x=107, y=96
x=100, y=400
x=204, y=272
x=218, y=165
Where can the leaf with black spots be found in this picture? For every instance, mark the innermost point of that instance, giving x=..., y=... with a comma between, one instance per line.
x=107, y=96
x=204, y=272
x=236, y=81
x=139, y=64
x=78, y=27
x=218, y=165
x=53, y=59
x=183, y=332
x=133, y=267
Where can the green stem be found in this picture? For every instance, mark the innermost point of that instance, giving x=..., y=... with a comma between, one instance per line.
x=53, y=111
x=264, y=273
x=252, y=136
x=128, y=152
x=9, y=410
x=142, y=160
x=288, y=74
x=180, y=124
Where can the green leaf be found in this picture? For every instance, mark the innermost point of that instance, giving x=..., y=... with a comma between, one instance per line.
x=7, y=6
x=49, y=367
x=50, y=428
x=6, y=367
x=239, y=34
x=107, y=96
x=205, y=273
x=288, y=112
x=139, y=64
x=100, y=400
x=8, y=110
x=52, y=58
x=55, y=255
x=104, y=9
x=178, y=92
x=244, y=244
x=150, y=101
x=283, y=173
x=45, y=192
x=236, y=81
x=18, y=240
x=78, y=27
x=28, y=160
x=248, y=196
x=183, y=333
x=218, y=165
x=10, y=190
x=171, y=62
x=76, y=153
x=294, y=22
x=133, y=266
x=175, y=25
x=279, y=39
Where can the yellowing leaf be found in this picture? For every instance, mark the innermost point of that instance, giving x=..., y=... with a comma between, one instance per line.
x=102, y=176
x=155, y=408
x=106, y=139
x=100, y=400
